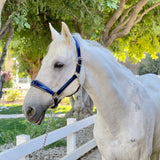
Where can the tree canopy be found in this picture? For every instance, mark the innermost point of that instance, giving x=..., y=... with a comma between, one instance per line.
x=128, y=28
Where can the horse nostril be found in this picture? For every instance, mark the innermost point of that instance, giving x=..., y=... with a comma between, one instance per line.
x=30, y=111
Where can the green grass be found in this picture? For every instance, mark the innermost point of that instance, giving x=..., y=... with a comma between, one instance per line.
x=10, y=128
x=62, y=109
x=17, y=109
x=14, y=109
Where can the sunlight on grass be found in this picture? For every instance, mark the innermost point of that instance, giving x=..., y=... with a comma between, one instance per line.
x=65, y=101
x=62, y=109
x=10, y=105
x=12, y=109
x=17, y=109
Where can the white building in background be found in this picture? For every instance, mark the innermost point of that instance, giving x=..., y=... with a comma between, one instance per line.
x=24, y=83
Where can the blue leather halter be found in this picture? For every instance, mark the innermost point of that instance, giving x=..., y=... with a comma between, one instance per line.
x=55, y=95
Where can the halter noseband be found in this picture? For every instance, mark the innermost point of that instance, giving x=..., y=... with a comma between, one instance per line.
x=55, y=95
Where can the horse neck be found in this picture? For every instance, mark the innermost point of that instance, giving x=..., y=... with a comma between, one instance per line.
x=106, y=82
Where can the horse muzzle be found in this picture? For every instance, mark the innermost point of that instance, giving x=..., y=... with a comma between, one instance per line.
x=33, y=115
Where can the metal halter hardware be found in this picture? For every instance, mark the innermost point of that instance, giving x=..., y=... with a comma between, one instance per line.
x=55, y=95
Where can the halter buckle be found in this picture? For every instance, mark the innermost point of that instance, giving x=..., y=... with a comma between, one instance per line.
x=55, y=95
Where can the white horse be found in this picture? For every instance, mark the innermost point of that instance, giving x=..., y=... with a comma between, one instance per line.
x=128, y=108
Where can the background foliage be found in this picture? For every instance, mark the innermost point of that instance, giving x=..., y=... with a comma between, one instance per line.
x=150, y=66
x=12, y=94
x=88, y=17
x=8, y=80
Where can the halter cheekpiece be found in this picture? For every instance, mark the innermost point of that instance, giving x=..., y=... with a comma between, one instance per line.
x=55, y=95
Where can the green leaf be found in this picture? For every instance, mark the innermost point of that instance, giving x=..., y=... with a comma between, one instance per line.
x=27, y=25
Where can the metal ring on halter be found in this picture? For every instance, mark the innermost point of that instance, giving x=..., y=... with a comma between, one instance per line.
x=78, y=64
x=55, y=95
x=77, y=74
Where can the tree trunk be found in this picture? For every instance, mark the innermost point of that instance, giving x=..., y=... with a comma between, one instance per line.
x=3, y=56
x=34, y=66
x=2, y=2
x=33, y=73
x=4, y=53
x=7, y=28
x=82, y=105
x=2, y=81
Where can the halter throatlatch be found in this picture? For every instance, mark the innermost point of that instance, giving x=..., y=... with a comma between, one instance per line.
x=55, y=95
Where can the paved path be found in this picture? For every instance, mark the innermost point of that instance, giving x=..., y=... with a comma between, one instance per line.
x=7, y=116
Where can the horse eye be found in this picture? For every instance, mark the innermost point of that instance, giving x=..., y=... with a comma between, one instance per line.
x=58, y=65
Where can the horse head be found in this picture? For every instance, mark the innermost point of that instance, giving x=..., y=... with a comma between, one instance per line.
x=58, y=67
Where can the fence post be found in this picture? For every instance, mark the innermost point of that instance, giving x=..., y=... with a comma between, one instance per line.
x=71, y=139
x=20, y=139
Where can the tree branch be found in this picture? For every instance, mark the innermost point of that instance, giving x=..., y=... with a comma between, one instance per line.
x=78, y=27
x=145, y=12
x=124, y=27
x=5, y=28
x=4, y=53
x=114, y=18
x=119, y=27
x=27, y=59
x=126, y=14
x=38, y=62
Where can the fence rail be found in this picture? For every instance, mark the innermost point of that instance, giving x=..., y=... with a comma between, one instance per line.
x=36, y=143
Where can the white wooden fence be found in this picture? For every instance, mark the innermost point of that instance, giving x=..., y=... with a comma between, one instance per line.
x=68, y=131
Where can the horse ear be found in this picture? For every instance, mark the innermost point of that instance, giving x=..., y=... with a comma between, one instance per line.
x=54, y=33
x=66, y=33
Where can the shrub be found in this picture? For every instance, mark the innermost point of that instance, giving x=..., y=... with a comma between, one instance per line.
x=66, y=101
x=150, y=65
x=12, y=95
x=8, y=84
x=8, y=80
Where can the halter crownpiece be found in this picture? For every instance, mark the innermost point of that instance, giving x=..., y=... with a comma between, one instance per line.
x=55, y=95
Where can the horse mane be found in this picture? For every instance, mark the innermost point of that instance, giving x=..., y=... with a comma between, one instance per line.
x=93, y=45
x=90, y=42
x=106, y=52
